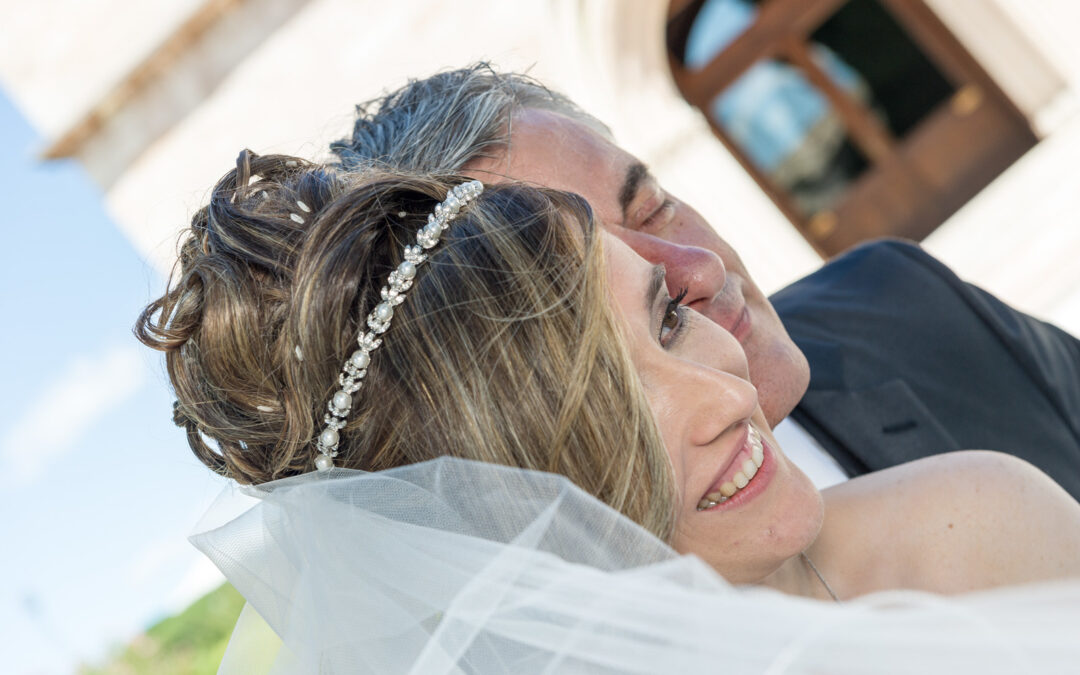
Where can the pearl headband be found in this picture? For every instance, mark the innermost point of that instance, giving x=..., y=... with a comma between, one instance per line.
x=393, y=294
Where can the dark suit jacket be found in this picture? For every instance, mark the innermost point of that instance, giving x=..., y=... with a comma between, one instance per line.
x=907, y=360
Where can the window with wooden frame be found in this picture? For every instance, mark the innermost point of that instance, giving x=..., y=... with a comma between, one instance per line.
x=860, y=118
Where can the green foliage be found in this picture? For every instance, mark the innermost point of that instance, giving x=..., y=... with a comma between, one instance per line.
x=190, y=643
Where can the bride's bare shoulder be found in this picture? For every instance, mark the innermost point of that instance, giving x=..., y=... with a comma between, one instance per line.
x=960, y=521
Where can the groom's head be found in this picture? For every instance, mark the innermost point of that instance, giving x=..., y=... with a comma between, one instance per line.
x=497, y=127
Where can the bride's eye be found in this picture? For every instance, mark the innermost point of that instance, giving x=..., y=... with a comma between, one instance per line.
x=673, y=320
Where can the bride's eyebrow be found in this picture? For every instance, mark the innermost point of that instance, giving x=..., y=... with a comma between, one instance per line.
x=656, y=282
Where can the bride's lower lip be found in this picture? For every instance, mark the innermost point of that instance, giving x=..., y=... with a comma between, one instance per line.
x=756, y=486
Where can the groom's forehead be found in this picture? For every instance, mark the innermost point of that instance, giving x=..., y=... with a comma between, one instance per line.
x=556, y=151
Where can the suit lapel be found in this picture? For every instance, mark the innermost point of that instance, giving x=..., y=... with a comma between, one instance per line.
x=868, y=428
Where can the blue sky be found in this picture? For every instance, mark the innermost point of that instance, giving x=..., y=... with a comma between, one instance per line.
x=97, y=487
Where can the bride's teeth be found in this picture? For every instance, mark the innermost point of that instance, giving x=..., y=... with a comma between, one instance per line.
x=708, y=502
x=757, y=448
x=749, y=468
x=741, y=478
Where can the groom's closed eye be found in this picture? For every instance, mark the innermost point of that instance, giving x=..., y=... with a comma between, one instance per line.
x=660, y=216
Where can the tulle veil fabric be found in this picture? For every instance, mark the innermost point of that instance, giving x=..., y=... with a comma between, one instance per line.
x=458, y=567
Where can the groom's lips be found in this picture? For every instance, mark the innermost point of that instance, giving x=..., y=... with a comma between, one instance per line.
x=737, y=322
x=728, y=309
x=742, y=326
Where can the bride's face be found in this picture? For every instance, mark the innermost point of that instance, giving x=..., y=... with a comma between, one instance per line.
x=742, y=506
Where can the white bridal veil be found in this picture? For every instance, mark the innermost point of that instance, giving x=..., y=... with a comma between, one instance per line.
x=454, y=566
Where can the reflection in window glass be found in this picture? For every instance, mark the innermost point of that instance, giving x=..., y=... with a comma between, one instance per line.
x=788, y=130
x=716, y=25
x=903, y=86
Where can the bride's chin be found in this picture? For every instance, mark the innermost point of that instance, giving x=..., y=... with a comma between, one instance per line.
x=762, y=549
x=805, y=515
x=776, y=549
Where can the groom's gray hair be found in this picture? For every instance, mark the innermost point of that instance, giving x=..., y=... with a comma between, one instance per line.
x=440, y=123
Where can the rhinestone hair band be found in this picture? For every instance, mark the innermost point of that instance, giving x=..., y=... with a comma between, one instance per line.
x=393, y=294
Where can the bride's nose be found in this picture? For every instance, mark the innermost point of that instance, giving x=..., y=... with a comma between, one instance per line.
x=716, y=401
x=700, y=271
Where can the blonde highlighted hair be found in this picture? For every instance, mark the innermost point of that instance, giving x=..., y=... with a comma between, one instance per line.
x=506, y=349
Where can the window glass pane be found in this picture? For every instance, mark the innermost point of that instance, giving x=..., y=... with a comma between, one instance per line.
x=894, y=77
x=788, y=130
x=716, y=25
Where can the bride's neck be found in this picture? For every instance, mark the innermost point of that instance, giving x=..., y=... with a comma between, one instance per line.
x=796, y=577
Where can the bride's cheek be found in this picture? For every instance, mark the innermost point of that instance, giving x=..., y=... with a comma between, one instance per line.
x=665, y=412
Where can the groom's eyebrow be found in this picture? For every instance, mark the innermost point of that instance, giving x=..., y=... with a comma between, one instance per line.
x=635, y=174
x=656, y=282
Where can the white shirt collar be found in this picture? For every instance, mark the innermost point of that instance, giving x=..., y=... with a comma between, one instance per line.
x=807, y=454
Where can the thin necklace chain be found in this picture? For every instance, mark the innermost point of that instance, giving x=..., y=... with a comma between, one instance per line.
x=824, y=583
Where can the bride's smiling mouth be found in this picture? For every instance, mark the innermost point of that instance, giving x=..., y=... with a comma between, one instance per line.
x=746, y=475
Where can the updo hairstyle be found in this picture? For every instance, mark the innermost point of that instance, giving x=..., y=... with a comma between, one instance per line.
x=506, y=349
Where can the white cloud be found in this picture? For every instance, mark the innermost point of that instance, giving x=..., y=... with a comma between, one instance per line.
x=201, y=578
x=164, y=559
x=66, y=408
x=156, y=557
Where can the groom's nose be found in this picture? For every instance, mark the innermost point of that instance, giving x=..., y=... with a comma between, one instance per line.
x=700, y=271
